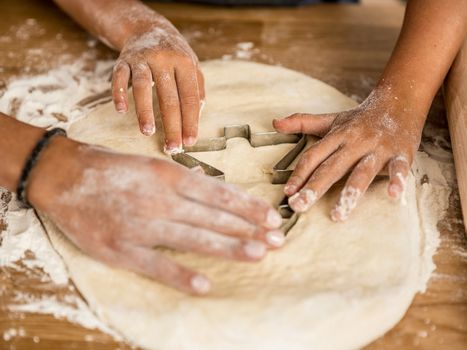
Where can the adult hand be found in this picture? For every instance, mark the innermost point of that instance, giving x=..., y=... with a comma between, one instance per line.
x=158, y=52
x=117, y=208
x=376, y=135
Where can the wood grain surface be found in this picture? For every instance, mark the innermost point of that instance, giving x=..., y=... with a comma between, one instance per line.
x=343, y=45
x=456, y=106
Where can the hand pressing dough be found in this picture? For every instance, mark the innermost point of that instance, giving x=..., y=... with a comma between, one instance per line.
x=333, y=286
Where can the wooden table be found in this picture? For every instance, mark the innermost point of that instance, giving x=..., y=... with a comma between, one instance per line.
x=343, y=45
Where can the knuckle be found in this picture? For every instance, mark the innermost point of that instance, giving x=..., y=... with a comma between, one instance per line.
x=140, y=69
x=120, y=67
x=145, y=113
x=191, y=101
x=139, y=82
x=185, y=60
x=170, y=102
x=306, y=157
x=295, y=116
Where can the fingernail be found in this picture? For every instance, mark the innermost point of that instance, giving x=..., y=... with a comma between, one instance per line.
x=149, y=130
x=172, y=150
x=254, y=249
x=303, y=200
x=273, y=219
x=190, y=141
x=395, y=191
x=121, y=107
x=335, y=215
x=290, y=189
x=198, y=169
x=275, y=238
x=200, y=284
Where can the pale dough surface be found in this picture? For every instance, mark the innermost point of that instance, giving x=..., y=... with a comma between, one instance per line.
x=333, y=286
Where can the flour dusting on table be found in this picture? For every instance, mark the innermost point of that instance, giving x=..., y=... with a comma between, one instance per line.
x=61, y=97
x=55, y=99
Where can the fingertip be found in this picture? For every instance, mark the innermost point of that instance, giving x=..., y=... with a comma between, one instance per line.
x=148, y=129
x=335, y=215
x=254, y=250
x=189, y=141
x=200, y=284
x=275, y=238
x=278, y=124
x=290, y=189
x=394, y=190
x=172, y=148
x=301, y=201
x=121, y=107
x=273, y=219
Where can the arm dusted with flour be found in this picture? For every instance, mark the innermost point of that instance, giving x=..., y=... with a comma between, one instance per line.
x=385, y=130
x=151, y=48
x=118, y=207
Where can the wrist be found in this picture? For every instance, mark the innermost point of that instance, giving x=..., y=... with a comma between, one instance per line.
x=57, y=167
x=150, y=30
x=398, y=100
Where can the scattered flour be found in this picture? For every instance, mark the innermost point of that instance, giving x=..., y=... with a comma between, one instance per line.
x=22, y=236
x=25, y=235
x=10, y=333
x=59, y=97
x=347, y=202
x=243, y=50
x=55, y=99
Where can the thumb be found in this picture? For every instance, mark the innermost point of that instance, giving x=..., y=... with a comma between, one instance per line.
x=317, y=125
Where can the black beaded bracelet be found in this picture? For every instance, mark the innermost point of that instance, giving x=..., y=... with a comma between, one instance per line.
x=32, y=161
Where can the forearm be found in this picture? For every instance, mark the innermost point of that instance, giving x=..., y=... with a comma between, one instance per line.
x=16, y=142
x=432, y=34
x=112, y=21
x=57, y=162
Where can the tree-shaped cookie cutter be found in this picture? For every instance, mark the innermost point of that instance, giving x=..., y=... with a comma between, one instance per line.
x=280, y=171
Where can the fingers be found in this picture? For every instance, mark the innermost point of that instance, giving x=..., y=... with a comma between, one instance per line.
x=356, y=185
x=310, y=160
x=202, y=93
x=317, y=125
x=188, y=91
x=120, y=78
x=169, y=105
x=198, y=240
x=223, y=222
x=142, y=92
x=399, y=168
x=155, y=265
x=231, y=199
x=328, y=173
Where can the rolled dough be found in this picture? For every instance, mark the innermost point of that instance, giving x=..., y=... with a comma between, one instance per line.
x=333, y=285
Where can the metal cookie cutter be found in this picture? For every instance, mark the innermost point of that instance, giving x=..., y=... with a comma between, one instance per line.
x=280, y=171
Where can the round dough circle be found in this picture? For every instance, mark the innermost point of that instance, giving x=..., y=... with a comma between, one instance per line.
x=333, y=286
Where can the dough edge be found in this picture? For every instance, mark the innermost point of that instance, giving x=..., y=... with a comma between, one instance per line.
x=381, y=321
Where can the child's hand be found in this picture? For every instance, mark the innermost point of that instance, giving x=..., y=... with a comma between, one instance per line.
x=117, y=208
x=161, y=54
x=376, y=135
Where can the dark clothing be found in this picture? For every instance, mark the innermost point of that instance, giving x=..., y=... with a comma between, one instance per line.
x=262, y=2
